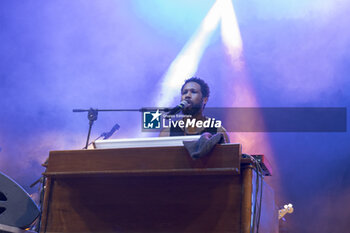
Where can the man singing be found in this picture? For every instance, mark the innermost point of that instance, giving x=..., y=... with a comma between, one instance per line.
x=196, y=93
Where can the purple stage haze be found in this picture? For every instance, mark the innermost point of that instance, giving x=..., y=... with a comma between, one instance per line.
x=59, y=55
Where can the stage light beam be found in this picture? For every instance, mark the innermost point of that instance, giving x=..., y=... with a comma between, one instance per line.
x=186, y=63
x=230, y=33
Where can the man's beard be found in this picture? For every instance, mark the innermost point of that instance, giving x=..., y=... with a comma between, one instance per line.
x=193, y=110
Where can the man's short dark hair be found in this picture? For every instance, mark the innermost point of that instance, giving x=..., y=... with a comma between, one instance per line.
x=204, y=86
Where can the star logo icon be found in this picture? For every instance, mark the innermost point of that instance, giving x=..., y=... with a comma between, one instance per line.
x=156, y=115
x=151, y=120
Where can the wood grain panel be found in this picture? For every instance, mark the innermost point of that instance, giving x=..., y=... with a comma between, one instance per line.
x=140, y=160
x=146, y=204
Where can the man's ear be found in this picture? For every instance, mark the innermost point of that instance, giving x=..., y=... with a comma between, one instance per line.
x=205, y=100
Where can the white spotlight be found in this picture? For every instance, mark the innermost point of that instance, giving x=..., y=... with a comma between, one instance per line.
x=185, y=64
x=230, y=33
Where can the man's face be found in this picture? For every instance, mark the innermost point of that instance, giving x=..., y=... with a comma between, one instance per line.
x=193, y=95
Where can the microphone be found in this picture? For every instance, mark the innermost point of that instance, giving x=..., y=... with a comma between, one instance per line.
x=178, y=108
x=110, y=133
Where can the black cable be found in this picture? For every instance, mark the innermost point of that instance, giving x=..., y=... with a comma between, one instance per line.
x=41, y=200
x=257, y=204
x=256, y=211
x=260, y=185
